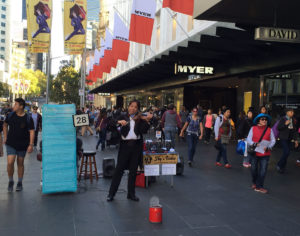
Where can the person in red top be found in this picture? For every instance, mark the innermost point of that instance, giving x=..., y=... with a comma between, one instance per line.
x=259, y=162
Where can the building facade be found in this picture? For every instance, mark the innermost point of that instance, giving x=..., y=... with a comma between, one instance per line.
x=207, y=61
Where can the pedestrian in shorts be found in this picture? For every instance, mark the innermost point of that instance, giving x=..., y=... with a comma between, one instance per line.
x=18, y=133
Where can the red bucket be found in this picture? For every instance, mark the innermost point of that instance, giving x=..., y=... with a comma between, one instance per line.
x=155, y=214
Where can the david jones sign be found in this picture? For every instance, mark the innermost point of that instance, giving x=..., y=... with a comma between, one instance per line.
x=200, y=70
x=277, y=35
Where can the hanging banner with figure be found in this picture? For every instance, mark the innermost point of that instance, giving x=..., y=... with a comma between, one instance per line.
x=75, y=21
x=39, y=19
x=185, y=7
x=121, y=44
x=142, y=21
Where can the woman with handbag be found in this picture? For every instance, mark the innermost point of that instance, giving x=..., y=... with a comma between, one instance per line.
x=223, y=131
x=260, y=140
x=101, y=126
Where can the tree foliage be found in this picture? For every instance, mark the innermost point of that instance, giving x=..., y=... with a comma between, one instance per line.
x=4, y=90
x=37, y=80
x=65, y=86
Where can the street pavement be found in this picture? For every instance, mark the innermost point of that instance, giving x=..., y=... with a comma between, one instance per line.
x=206, y=200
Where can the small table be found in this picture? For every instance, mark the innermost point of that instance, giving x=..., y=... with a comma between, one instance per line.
x=157, y=164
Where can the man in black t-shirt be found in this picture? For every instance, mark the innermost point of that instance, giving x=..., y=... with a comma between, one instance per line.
x=18, y=133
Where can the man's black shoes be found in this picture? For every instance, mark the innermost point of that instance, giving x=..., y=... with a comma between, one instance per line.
x=133, y=198
x=19, y=187
x=10, y=187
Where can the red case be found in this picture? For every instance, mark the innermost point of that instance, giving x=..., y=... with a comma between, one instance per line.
x=82, y=13
x=140, y=180
x=47, y=11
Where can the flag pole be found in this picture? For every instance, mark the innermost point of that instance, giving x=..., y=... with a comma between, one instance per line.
x=83, y=72
x=48, y=75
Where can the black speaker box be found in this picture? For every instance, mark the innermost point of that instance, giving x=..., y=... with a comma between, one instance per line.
x=108, y=167
x=180, y=166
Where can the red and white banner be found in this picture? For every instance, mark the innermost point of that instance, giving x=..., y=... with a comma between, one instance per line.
x=121, y=44
x=107, y=61
x=182, y=6
x=142, y=21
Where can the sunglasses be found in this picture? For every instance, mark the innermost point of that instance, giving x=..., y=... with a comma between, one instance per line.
x=264, y=119
x=194, y=110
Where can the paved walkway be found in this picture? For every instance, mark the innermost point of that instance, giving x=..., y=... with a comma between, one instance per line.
x=206, y=200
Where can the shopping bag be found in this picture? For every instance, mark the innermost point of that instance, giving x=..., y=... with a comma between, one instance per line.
x=240, y=148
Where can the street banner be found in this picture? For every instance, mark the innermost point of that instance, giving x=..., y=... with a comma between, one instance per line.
x=75, y=21
x=121, y=44
x=39, y=19
x=185, y=7
x=107, y=61
x=142, y=21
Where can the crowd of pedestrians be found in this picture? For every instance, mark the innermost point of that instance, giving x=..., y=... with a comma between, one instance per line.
x=256, y=133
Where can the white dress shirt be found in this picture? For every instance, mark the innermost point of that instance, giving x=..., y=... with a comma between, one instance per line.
x=131, y=135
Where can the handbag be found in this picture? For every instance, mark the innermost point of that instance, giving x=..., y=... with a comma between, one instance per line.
x=251, y=148
x=39, y=156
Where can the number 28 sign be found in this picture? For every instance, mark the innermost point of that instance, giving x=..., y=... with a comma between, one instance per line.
x=81, y=120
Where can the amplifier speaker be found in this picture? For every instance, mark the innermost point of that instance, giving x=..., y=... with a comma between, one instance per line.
x=108, y=167
x=180, y=166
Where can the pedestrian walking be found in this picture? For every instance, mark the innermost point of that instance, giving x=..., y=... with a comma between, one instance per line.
x=86, y=127
x=223, y=133
x=244, y=125
x=208, y=121
x=37, y=121
x=101, y=126
x=184, y=114
x=18, y=132
x=287, y=133
x=194, y=128
x=262, y=138
x=170, y=123
x=133, y=126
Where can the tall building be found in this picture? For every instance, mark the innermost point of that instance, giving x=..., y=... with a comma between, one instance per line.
x=5, y=38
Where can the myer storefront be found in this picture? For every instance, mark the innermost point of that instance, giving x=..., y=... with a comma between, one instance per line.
x=229, y=68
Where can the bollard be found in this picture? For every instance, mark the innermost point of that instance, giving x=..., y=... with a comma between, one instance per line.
x=155, y=211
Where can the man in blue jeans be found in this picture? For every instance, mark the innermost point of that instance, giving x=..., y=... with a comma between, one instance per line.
x=287, y=132
x=170, y=123
x=19, y=139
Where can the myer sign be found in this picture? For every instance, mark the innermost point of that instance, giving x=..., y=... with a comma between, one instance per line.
x=200, y=70
x=277, y=35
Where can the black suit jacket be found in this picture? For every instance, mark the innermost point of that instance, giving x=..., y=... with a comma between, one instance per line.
x=141, y=127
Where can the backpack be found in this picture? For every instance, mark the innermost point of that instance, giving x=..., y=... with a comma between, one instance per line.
x=9, y=116
x=275, y=129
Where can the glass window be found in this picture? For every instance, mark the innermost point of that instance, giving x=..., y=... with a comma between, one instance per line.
x=4, y=8
x=2, y=40
x=2, y=32
x=3, y=24
x=3, y=16
x=3, y=0
x=2, y=48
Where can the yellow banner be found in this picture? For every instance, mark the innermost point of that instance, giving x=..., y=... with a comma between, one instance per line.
x=39, y=17
x=155, y=159
x=75, y=21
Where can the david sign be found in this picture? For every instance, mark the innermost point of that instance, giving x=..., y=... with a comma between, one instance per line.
x=200, y=70
x=277, y=35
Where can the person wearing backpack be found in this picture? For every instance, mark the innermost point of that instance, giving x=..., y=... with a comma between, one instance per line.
x=18, y=133
x=287, y=132
x=223, y=131
x=260, y=134
x=193, y=125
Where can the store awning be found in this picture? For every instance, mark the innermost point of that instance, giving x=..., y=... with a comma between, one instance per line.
x=272, y=13
x=231, y=51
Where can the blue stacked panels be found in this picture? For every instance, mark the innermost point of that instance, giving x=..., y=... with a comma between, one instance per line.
x=59, y=149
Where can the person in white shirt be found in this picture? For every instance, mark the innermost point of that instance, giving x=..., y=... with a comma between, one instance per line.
x=133, y=126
